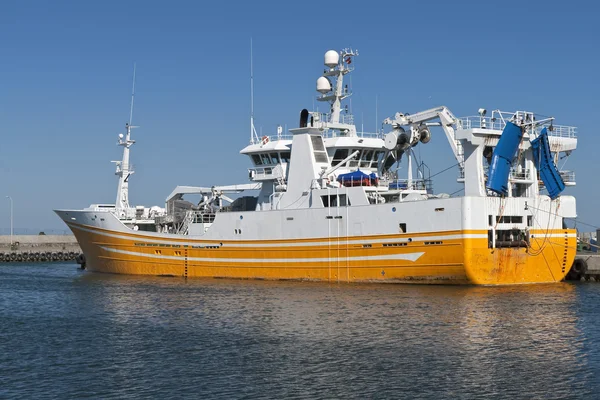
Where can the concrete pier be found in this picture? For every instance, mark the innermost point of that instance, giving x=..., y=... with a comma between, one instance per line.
x=32, y=248
x=586, y=267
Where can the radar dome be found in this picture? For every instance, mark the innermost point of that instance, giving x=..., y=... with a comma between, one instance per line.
x=323, y=85
x=332, y=58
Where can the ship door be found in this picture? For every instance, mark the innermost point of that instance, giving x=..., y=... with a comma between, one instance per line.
x=338, y=232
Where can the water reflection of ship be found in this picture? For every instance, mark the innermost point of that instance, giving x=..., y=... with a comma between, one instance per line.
x=533, y=329
x=519, y=340
x=482, y=314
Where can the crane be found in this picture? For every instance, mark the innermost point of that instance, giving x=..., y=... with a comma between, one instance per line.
x=399, y=140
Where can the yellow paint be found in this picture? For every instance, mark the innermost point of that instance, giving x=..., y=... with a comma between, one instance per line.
x=463, y=261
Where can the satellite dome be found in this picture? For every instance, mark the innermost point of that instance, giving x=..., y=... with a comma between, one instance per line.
x=323, y=85
x=332, y=58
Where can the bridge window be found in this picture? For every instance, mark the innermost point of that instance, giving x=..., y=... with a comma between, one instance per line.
x=339, y=156
x=265, y=159
x=256, y=159
x=376, y=157
x=354, y=161
x=274, y=158
x=365, y=160
x=285, y=157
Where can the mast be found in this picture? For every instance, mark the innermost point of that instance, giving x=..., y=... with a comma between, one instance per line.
x=252, y=128
x=338, y=65
x=376, y=110
x=124, y=169
x=336, y=104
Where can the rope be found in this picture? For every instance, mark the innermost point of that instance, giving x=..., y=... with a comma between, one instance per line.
x=501, y=212
x=541, y=248
x=444, y=170
x=567, y=218
x=548, y=266
x=298, y=199
x=545, y=243
x=589, y=243
x=458, y=191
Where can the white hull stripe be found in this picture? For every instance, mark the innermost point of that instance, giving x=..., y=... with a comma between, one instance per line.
x=406, y=256
x=541, y=236
x=258, y=243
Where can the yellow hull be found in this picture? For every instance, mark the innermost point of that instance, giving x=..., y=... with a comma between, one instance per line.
x=459, y=257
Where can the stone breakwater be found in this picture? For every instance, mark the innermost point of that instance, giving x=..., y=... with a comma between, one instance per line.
x=38, y=248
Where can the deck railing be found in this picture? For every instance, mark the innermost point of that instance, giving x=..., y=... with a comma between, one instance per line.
x=567, y=176
x=497, y=123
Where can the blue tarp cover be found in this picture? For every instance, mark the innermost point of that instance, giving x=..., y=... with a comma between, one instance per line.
x=502, y=158
x=356, y=176
x=542, y=158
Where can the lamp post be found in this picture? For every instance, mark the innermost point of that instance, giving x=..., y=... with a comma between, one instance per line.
x=11, y=219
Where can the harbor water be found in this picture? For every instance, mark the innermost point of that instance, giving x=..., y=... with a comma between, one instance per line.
x=67, y=333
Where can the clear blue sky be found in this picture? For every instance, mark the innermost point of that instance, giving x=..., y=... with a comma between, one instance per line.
x=66, y=68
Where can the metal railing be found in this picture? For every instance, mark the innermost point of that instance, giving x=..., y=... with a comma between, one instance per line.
x=119, y=164
x=259, y=173
x=497, y=123
x=185, y=224
x=523, y=174
x=264, y=139
x=347, y=119
x=194, y=217
x=328, y=133
x=567, y=176
x=201, y=217
x=413, y=184
x=372, y=135
x=515, y=174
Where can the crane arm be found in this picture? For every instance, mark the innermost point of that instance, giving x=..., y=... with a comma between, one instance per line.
x=447, y=121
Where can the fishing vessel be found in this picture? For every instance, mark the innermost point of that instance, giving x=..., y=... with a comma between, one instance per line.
x=328, y=204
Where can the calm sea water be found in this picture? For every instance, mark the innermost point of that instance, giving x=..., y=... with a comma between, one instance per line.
x=65, y=333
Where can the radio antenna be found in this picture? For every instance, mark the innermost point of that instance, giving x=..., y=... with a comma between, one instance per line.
x=376, y=109
x=252, y=129
x=132, y=96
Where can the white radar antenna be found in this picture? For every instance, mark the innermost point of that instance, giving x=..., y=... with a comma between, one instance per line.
x=338, y=64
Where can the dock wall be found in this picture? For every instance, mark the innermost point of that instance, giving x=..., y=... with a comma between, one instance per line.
x=38, y=248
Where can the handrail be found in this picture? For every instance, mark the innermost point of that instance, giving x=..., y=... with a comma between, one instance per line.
x=478, y=122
